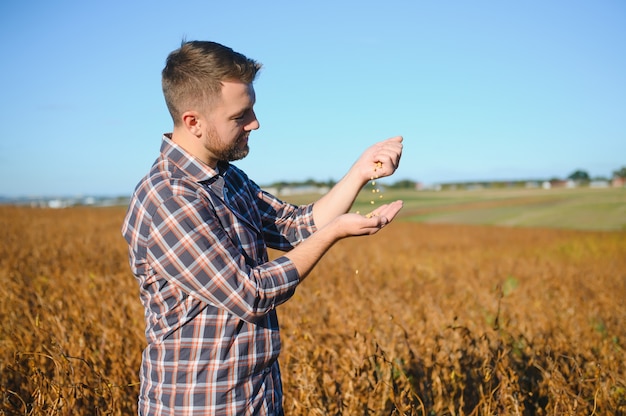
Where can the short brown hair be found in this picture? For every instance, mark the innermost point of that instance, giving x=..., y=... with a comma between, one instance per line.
x=193, y=75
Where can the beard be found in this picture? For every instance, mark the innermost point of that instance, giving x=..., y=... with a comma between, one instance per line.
x=237, y=151
x=227, y=153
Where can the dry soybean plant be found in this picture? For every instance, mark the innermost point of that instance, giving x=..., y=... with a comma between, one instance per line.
x=462, y=321
x=71, y=333
x=440, y=320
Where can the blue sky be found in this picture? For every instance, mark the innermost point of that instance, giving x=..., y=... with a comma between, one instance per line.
x=479, y=90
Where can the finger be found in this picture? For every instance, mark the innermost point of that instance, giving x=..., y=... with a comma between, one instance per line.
x=385, y=165
x=397, y=139
x=389, y=211
x=392, y=143
x=389, y=155
x=383, y=221
x=395, y=147
x=388, y=163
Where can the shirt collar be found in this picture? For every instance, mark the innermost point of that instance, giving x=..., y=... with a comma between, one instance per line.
x=190, y=165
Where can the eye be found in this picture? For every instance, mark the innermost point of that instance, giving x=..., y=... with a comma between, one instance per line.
x=240, y=117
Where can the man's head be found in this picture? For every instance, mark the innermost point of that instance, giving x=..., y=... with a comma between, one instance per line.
x=208, y=90
x=194, y=74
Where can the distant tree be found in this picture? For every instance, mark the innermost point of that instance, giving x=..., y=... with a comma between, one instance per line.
x=620, y=173
x=330, y=183
x=280, y=184
x=579, y=176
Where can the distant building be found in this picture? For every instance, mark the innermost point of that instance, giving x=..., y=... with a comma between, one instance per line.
x=297, y=190
x=618, y=182
x=599, y=184
x=558, y=183
x=56, y=203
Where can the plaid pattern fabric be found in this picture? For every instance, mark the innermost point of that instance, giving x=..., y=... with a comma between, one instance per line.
x=198, y=248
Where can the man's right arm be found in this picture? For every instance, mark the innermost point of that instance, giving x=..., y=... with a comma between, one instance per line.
x=188, y=247
x=306, y=255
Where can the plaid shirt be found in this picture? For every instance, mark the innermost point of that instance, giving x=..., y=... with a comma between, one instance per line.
x=198, y=248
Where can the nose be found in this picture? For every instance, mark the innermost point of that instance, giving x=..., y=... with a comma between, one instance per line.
x=253, y=124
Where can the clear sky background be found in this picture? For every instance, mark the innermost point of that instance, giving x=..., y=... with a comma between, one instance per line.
x=480, y=90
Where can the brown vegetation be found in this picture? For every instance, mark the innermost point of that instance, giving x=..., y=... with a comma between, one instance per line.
x=418, y=320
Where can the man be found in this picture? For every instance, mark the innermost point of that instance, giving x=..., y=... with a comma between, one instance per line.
x=198, y=231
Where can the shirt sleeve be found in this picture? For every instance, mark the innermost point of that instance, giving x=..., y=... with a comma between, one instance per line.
x=284, y=225
x=188, y=246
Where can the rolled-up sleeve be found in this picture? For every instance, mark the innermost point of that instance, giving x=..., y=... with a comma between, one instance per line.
x=285, y=225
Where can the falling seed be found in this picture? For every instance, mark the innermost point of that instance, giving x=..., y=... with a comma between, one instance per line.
x=377, y=165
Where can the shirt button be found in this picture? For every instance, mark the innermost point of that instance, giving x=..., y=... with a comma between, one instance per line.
x=267, y=370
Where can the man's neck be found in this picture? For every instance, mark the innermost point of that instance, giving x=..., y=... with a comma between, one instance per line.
x=193, y=145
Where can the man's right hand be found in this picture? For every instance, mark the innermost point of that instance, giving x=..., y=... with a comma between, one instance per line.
x=351, y=225
x=306, y=254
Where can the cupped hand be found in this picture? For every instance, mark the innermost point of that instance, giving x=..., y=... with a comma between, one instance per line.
x=381, y=159
x=350, y=225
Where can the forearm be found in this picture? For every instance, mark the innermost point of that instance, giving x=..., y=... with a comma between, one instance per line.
x=306, y=255
x=338, y=200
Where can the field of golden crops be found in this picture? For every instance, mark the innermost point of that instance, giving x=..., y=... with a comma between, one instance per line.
x=417, y=320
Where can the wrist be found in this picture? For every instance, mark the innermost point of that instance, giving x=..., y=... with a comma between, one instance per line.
x=357, y=177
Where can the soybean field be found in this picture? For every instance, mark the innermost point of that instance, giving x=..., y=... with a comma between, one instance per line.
x=471, y=303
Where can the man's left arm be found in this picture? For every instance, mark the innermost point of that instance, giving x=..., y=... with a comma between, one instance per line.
x=379, y=160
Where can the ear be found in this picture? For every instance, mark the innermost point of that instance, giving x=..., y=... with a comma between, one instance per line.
x=192, y=122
